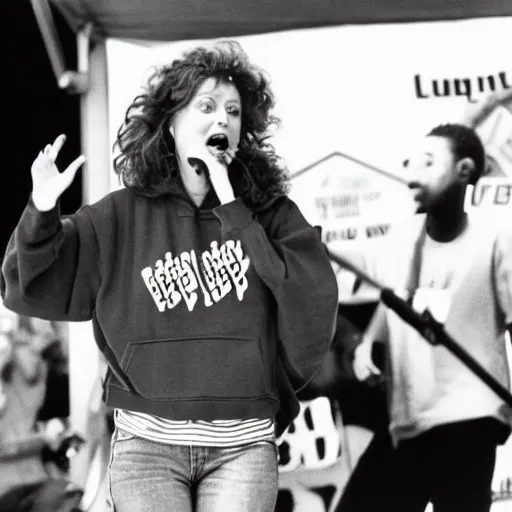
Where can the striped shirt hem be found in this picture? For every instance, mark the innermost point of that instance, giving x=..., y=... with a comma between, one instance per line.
x=217, y=433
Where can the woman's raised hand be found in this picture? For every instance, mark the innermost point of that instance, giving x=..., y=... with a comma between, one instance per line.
x=48, y=183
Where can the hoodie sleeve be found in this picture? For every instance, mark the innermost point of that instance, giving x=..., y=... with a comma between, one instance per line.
x=292, y=261
x=51, y=266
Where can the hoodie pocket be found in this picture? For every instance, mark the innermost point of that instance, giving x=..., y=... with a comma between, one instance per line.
x=196, y=368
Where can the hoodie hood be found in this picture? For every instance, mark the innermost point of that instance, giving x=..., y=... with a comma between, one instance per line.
x=177, y=192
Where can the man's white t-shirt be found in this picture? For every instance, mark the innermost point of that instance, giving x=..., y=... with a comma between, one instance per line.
x=467, y=285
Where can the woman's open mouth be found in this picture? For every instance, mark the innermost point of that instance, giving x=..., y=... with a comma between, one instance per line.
x=219, y=141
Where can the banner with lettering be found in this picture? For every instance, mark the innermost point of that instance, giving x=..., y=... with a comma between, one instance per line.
x=353, y=102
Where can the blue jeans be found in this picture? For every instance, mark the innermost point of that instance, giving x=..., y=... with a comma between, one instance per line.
x=148, y=476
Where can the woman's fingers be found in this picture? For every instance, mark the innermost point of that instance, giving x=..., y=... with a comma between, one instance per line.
x=57, y=146
x=41, y=162
x=50, y=152
x=73, y=167
x=66, y=178
x=227, y=156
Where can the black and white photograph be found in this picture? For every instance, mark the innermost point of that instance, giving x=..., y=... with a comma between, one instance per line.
x=256, y=256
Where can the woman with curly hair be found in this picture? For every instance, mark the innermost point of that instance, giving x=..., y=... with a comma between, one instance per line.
x=211, y=297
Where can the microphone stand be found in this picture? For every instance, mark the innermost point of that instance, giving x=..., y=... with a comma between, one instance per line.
x=427, y=326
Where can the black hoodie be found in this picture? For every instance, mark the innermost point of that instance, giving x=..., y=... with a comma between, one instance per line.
x=202, y=313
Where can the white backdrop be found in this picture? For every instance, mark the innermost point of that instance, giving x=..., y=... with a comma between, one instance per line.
x=365, y=91
x=368, y=92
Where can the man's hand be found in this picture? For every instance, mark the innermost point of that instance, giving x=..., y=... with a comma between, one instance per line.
x=364, y=366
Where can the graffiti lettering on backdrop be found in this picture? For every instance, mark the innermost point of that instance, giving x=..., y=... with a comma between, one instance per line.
x=352, y=203
x=338, y=206
x=492, y=194
x=471, y=87
x=494, y=189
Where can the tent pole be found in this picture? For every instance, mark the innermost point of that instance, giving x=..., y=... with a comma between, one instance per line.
x=87, y=414
x=74, y=82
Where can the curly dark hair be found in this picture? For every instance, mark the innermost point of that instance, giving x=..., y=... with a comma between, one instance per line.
x=465, y=143
x=146, y=161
